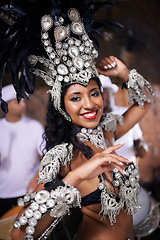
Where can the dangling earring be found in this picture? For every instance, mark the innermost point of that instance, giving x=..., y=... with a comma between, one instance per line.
x=65, y=115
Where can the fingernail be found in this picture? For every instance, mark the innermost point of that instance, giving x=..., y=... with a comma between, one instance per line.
x=105, y=67
x=109, y=66
x=112, y=64
x=120, y=163
x=124, y=172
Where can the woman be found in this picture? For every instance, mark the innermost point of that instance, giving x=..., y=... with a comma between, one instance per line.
x=80, y=168
x=89, y=166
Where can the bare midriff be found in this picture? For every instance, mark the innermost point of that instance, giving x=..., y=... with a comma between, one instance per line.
x=93, y=227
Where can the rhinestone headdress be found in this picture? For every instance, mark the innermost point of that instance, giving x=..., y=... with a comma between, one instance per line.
x=57, y=44
x=70, y=61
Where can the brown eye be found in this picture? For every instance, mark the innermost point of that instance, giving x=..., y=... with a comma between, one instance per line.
x=95, y=94
x=75, y=99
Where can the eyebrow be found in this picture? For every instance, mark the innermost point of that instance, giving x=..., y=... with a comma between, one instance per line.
x=80, y=92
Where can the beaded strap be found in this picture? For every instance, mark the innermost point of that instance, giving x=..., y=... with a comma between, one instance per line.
x=138, y=88
x=57, y=202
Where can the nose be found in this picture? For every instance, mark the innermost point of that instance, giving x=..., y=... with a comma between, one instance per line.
x=88, y=103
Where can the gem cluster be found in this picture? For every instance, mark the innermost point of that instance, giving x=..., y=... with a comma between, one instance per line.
x=57, y=203
x=139, y=89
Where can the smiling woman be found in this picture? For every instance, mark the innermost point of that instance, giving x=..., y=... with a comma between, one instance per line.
x=80, y=167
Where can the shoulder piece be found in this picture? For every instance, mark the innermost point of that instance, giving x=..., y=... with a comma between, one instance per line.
x=109, y=121
x=50, y=164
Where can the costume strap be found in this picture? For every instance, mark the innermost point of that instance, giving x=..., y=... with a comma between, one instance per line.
x=109, y=121
x=50, y=164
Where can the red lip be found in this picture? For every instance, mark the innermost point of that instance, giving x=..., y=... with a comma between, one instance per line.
x=89, y=115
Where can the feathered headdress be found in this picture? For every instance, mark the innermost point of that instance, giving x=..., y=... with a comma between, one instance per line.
x=51, y=39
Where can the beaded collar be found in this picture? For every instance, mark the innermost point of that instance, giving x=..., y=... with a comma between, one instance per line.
x=95, y=136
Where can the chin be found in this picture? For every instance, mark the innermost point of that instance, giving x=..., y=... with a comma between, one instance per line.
x=90, y=124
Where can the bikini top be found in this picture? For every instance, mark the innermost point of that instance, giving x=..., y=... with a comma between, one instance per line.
x=92, y=198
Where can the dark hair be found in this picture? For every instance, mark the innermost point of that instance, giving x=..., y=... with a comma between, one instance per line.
x=59, y=130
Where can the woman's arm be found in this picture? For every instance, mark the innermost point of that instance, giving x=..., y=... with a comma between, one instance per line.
x=113, y=67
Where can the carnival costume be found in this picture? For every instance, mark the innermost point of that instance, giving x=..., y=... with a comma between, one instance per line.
x=66, y=60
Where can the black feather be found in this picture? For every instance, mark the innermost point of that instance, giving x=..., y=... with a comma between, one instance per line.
x=23, y=37
x=4, y=106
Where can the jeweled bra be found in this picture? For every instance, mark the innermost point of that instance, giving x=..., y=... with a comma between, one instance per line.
x=127, y=185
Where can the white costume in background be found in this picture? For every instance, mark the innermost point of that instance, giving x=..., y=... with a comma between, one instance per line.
x=133, y=134
x=19, y=155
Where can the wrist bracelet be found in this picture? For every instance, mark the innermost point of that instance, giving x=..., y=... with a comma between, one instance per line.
x=135, y=87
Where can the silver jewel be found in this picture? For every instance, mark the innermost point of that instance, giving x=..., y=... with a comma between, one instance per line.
x=29, y=213
x=73, y=51
x=73, y=15
x=78, y=62
x=60, y=33
x=50, y=203
x=34, y=206
x=23, y=220
x=62, y=69
x=42, y=196
x=46, y=22
x=116, y=183
x=37, y=215
x=77, y=28
x=58, y=211
x=32, y=221
x=44, y=35
x=48, y=49
x=30, y=230
x=43, y=208
x=16, y=224
x=20, y=202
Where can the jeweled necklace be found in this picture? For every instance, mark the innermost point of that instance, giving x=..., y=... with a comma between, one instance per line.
x=95, y=136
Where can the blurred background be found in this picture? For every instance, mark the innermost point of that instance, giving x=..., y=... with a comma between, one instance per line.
x=138, y=46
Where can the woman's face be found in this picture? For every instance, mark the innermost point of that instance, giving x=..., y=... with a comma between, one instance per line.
x=84, y=104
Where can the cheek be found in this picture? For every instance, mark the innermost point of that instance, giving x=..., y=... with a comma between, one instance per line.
x=71, y=108
x=100, y=102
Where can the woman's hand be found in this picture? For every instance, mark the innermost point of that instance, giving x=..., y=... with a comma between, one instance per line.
x=113, y=67
x=98, y=164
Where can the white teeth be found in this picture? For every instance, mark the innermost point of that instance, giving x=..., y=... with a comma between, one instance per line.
x=90, y=114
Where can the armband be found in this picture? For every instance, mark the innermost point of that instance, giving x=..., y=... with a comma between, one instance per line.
x=138, y=88
x=57, y=202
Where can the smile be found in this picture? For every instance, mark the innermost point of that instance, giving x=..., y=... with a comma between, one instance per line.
x=90, y=115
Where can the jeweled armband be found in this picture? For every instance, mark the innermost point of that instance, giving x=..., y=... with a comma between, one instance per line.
x=57, y=202
x=138, y=88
